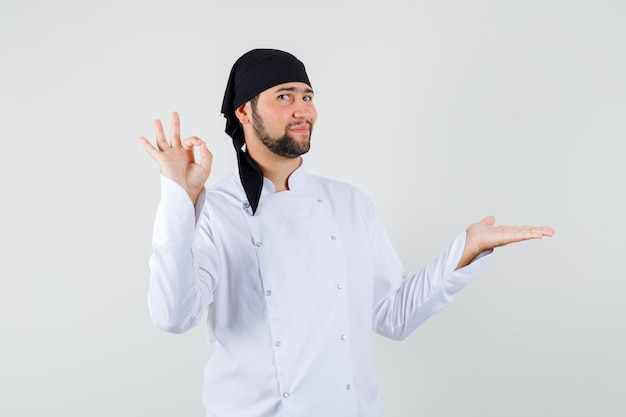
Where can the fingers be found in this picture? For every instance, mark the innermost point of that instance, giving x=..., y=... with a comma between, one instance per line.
x=176, y=153
x=528, y=232
x=161, y=141
x=484, y=235
x=519, y=233
x=175, y=131
x=160, y=136
x=152, y=151
x=536, y=232
x=190, y=142
x=206, y=158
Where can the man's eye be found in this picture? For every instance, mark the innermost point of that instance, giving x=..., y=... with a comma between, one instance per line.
x=283, y=97
x=307, y=98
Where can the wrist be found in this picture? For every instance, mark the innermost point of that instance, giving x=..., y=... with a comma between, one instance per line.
x=470, y=251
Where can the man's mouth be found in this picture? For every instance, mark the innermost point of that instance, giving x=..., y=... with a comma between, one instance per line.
x=301, y=128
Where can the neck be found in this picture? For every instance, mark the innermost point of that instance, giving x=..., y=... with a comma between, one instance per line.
x=274, y=167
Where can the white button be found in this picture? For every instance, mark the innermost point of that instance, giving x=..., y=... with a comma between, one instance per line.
x=339, y=286
x=333, y=237
x=343, y=337
x=246, y=205
x=259, y=244
x=277, y=343
x=348, y=386
x=285, y=394
x=268, y=292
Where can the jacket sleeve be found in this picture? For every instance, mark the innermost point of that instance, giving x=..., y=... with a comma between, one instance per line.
x=184, y=263
x=401, y=305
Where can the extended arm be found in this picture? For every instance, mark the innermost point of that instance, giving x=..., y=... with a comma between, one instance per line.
x=401, y=305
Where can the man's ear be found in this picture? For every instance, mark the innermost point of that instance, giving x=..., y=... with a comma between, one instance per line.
x=243, y=113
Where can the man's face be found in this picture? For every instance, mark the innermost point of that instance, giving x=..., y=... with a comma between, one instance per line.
x=283, y=117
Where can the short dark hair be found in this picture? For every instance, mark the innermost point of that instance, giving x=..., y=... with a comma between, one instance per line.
x=254, y=101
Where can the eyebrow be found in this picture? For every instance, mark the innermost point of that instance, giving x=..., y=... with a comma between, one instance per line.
x=291, y=89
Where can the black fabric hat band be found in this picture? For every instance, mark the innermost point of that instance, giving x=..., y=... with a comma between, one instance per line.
x=253, y=73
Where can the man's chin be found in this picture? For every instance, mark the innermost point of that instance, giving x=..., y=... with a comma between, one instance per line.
x=293, y=153
x=289, y=146
x=297, y=144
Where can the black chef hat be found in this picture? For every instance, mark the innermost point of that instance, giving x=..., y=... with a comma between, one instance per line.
x=254, y=72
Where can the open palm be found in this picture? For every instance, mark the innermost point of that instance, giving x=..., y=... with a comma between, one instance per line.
x=483, y=235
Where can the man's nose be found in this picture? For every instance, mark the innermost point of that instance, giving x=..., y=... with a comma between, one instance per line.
x=302, y=110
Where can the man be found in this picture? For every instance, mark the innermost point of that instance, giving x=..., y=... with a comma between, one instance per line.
x=293, y=270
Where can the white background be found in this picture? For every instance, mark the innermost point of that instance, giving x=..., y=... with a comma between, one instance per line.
x=442, y=111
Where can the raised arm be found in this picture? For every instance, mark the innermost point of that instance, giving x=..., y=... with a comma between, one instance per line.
x=182, y=278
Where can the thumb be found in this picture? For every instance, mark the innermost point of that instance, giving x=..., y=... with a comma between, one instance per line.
x=206, y=158
x=488, y=221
